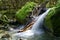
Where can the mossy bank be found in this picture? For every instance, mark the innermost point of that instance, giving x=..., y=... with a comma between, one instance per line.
x=52, y=20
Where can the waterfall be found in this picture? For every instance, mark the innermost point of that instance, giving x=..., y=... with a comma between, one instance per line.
x=38, y=24
x=36, y=29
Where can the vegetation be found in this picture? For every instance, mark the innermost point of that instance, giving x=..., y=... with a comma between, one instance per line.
x=52, y=20
x=14, y=12
x=25, y=11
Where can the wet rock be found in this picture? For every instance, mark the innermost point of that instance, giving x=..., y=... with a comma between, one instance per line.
x=39, y=9
x=5, y=36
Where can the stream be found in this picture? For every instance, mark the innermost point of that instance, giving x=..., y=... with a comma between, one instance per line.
x=35, y=33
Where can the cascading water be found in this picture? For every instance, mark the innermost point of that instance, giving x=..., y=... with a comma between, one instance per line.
x=35, y=30
x=38, y=24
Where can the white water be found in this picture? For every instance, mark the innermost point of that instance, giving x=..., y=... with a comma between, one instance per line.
x=38, y=24
x=36, y=29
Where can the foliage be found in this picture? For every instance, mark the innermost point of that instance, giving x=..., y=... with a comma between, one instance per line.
x=51, y=3
x=24, y=11
x=58, y=3
x=4, y=15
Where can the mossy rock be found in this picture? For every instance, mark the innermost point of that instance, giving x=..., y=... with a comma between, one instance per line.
x=25, y=11
x=52, y=20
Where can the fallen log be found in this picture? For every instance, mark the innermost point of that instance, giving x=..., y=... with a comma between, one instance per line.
x=29, y=26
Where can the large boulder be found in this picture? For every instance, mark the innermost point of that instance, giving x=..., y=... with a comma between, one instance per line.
x=52, y=20
x=23, y=14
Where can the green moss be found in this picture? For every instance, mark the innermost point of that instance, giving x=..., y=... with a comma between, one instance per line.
x=52, y=20
x=24, y=11
x=47, y=19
